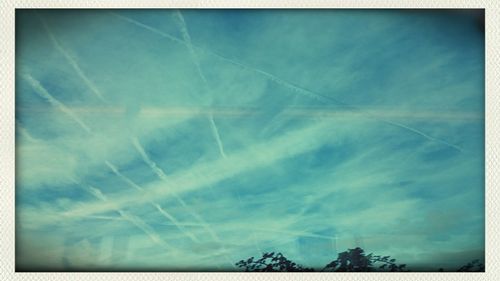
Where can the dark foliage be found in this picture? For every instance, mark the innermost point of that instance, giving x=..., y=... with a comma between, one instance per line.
x=473, y=266
x=355, y=260
x=352, y=260
x=271, y=262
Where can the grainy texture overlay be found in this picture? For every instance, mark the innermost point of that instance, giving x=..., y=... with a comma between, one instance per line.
x=190, y=139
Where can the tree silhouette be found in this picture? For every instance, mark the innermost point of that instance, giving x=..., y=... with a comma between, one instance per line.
x=271, y=262
x=355, y=260
x=350, y=260
x=473, y=266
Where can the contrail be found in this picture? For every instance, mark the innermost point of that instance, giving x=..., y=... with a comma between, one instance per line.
x=159, y=172
x=154, y=204
x=144, y=227
x=293, y=233
x=264, y=153
x=216, y=135
x=136, y=221
x=42, y=92
x=152, y=29
x=425, y=135
x=25, y=134
x=187, y=38
x=103, y=218
x=175, y=222
x=70, y=60
x=121, y=176
x=194, y=58
x=284, y=83
x=324, y=98
x=133, y=219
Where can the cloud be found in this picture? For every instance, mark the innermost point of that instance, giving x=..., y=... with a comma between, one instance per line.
x=228, y=133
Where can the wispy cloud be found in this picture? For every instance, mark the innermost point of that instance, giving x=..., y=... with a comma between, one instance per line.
x=266, y=153
x=71, y=61
x=42, y=92
x=225, y=134
x=159, y=172
x=133, y=219
x=194, y=58
x=291, y=86
x=156, y=205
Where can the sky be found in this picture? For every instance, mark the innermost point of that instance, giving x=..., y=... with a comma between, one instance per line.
x=187, y=140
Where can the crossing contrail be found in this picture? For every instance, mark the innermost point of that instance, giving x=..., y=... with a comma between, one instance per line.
x=71, y=60
x=187, y=38
x=159, y=172
x=295, y=88
x=176, y=222
x=121, y=176
x=42, y=92
x=39, y=89
x=133, y=219
x=154, y=204
x=194, y=58
x=264, y=153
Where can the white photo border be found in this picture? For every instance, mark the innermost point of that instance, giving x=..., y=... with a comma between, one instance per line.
x=7, y=136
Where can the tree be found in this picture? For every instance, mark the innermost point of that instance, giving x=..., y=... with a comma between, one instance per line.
x=355, y=260
x=350, y=260
x=271, y=262
x=473, y=266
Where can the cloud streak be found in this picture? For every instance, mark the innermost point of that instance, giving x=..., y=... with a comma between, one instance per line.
x=42, y=92
x=194, y=58
x=266, y=153
x=155, y=205
x=291, y=86
x=133, y=219
x=159, y=172
x=280, y=139
x=71, y=61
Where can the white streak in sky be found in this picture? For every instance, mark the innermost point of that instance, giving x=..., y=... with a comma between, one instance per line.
x=133, y=219
x=121, y=176
x=42, y=92
x=259, y=155
x=194, y=58
x=187, y=38
x=159, y=172
x=71, y=61
x=175, y=222
x=154, y=204
x=104, y=218
x=293, y=233
x=39, y=89
x=152, y=29
x=25, y=134
x=425, y=135
x=288, y=85
x=217, y=136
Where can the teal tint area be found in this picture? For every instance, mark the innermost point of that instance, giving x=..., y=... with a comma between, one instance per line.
x=187, y=140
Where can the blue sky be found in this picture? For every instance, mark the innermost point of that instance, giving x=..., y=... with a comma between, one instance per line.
x=191, y=139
